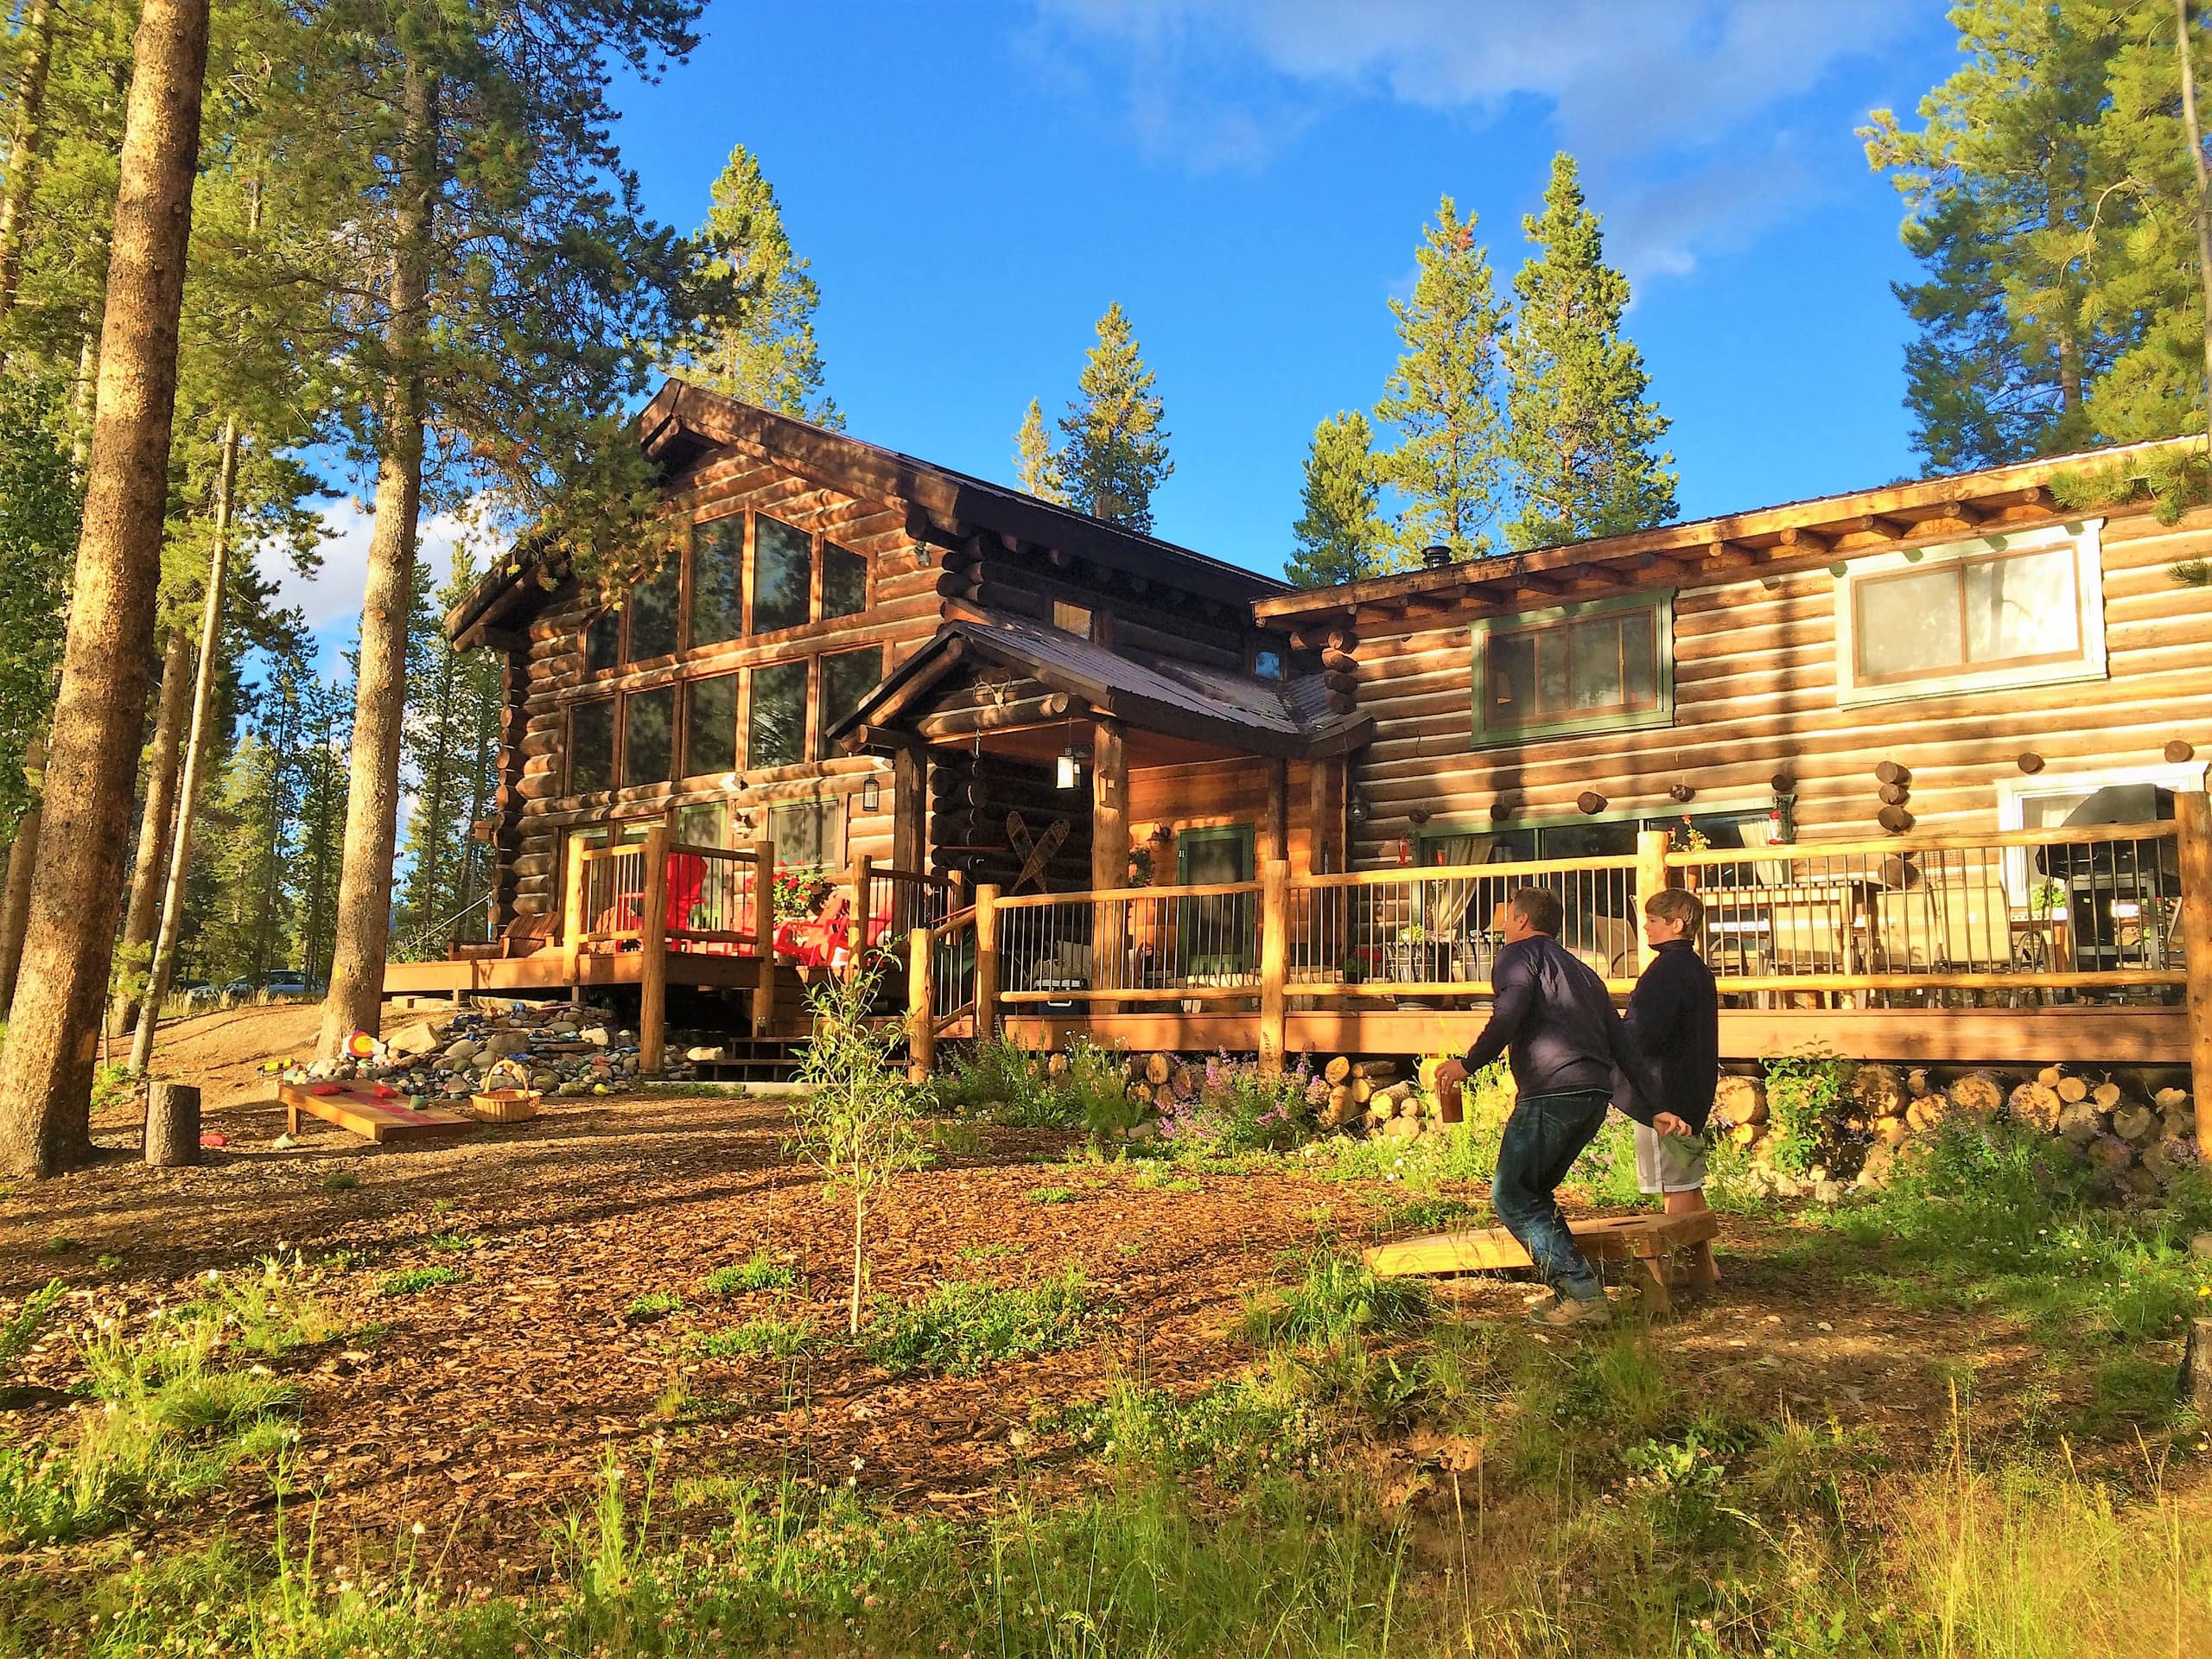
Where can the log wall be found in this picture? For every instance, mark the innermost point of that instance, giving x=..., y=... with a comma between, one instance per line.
x=1756, y=695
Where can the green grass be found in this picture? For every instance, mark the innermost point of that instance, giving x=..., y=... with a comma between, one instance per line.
x=755, y=1339
x=1335, y=1298
x=338, y=1182
x=756, y=1271
x=1053, y=1195
x=1160, y=1178
x=61, y=1244
x=961, y=1326
x=414, y=1280
x=454, y=1243
x=269, y=1311
x=1431, y=1213
x=653, y=1305
x=20, y=1331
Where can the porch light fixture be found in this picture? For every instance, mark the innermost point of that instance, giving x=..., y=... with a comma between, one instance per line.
x=1358, y=811
x=1067, y=771
x=871, y=794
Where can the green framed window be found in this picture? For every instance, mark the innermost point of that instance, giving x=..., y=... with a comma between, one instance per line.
x=718, y=580
x=778, y=737
x=711, y=726
x=1605, y=665
x=1214, y=934
x=809, y=834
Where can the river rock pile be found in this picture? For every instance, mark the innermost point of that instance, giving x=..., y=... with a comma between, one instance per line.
x=565, y=1050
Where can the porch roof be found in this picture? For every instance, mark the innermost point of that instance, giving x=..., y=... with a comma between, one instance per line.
x=1153, y=693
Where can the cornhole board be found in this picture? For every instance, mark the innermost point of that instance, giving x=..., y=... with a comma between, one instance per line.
x=356, y=1109
x=1654, y=1242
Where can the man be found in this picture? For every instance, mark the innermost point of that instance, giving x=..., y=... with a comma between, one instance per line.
x=1674, y=1015
x=1551, y=1015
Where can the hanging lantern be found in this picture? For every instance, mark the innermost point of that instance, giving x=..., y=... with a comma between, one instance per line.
x=871, y=794
x=1066, y=773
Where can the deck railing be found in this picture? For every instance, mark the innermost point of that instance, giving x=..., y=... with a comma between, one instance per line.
x=2042, y=916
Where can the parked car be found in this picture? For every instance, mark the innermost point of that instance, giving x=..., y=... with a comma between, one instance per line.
x=278, y=981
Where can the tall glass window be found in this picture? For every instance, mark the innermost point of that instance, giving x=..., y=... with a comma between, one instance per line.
x=777, y=733
x=711, y=726
x=718, y=580
x=648, y=734
x=844, y=582
x=591, y=746
x=846, y=679
x=783, y=574
x=655, y=605
x=603, y=642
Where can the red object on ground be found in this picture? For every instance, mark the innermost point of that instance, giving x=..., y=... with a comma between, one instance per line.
x=385, y=1091
x=214, y=1138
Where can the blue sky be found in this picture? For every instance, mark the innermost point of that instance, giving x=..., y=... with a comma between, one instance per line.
x=975, y=182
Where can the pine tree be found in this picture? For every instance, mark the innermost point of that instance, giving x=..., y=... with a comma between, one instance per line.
x=1035, y=464
x=1584, y=430
x=1340, y=535
x=764, y=352
x=450, y=757
x=2012, y=210
x=1115, y=454
x=1442, y=402
x=326, y=710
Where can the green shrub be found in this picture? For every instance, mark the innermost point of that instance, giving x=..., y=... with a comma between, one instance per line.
x=1239, y=1109
x=1239, y=1430
x=756, y=1271
x=756, y=1338
x=1430, y=1214
x=271, y=1312
x=1805, y=1096
x=338, y=1182
x=1339, y=1298
x=412, y=1281
x=1053, y=1195
x=993, y=1078
x=963, y=1326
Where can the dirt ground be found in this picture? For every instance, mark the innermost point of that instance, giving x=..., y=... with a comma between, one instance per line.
x=483, y=1408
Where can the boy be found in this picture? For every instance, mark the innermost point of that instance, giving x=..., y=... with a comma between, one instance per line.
x=1675, y=1016
x=1550, y=1014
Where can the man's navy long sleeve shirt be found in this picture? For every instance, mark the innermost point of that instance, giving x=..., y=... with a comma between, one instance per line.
x=1552, y=1018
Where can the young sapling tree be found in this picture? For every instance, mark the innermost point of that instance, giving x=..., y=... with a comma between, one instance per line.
x=859, y=1120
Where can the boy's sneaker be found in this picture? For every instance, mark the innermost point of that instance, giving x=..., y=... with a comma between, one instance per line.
x=1563, y=1312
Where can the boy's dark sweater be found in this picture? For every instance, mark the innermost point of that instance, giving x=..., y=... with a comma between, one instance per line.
x=1674, y=1015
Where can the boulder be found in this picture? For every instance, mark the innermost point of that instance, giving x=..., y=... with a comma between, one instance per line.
x=420, y=1037
x=500, y=1044
x=598, y=1036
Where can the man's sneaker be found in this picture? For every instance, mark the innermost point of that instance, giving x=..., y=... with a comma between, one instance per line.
x=1563, y=1312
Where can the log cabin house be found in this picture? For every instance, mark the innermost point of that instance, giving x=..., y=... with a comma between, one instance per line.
x=1920, y=747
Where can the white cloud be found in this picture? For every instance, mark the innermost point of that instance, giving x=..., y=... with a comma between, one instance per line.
x=1641, y=93
x=330, y=599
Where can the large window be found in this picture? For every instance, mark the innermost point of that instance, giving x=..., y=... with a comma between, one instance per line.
x=718, y=580
x=711, y=726
x=846, y=679
x=603, y=642
x=648, y=736
x=809, y=833
x=656, y=609
x=1996, y=611
x=844, y=582
x=591, y=746
x=778, y=737
x=1600, y=666
x=783, y=574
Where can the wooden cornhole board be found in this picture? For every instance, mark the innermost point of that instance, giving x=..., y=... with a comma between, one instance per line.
x=1654, y=1242
x=357, y=1109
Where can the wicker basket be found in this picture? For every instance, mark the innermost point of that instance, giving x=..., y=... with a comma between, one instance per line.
x=507, y=1105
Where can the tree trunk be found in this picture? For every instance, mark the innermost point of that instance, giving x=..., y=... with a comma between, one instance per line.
x=172, y=1138
x=162, y=967
x=860, y=1255
x=37, y=44
x=2200, y=214
x=100, y=714
x=364, y=922
x=142, y=912
x=16, y=902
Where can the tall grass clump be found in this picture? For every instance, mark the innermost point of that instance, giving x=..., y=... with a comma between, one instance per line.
x=1336, y=1299
x=961, y=1326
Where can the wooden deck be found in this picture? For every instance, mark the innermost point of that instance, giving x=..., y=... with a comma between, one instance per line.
x=547, y=971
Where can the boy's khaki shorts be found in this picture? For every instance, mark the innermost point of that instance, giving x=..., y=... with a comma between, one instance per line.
x=1668, y=1163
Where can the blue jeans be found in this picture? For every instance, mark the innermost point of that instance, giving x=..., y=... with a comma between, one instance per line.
x=1543, y=1138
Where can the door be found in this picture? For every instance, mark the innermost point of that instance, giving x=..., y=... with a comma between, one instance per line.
x=1214, y=933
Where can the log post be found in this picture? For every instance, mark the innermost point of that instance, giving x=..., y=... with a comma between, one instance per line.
x=1275, y=825
x=2195, y=831
x=1274, y=962
x=652, y=954
x=1110, y=859
x=862, y=876
x=172, y=1125
x=1650, y=879
x=987, y=960
x=764, y=936
x=572, y=918
x=921, y=1023
x=909, y=811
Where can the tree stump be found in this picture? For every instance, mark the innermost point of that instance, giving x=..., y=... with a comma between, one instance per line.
x=172, y=1125
x=2196, y=1367
x=2072, y=1089
x=2037, y=1106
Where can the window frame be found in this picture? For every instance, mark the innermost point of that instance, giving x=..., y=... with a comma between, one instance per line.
x=818, y=691
x=2088, y=662
x=687, y=690
x=1660, y=601
x=613, y=700
x=743, y=519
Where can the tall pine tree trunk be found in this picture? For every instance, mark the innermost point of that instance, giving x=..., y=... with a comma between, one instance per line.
x=2200, y=212
x=141, y=914
x=37, y=44
x=46, y=1074
x=16, y=894
x=162, y=969
x=364, y=922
